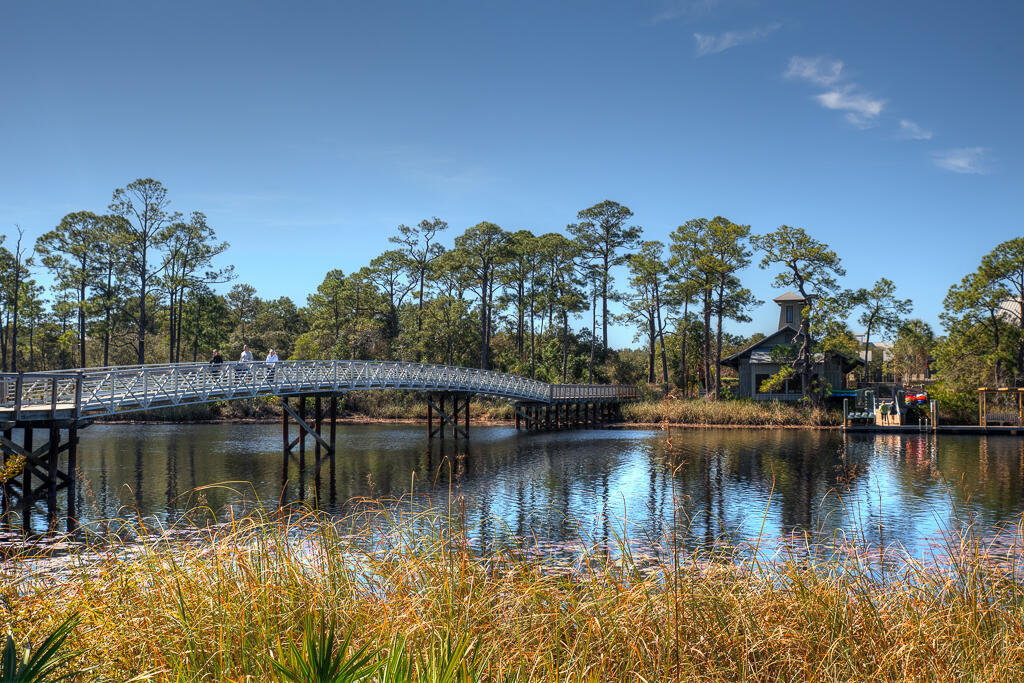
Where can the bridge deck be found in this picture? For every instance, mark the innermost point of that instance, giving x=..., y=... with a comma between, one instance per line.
x=96, y=392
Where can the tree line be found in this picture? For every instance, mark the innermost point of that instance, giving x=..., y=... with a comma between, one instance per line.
x=139, y=283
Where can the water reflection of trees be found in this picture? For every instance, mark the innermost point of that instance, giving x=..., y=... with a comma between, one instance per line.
x=700, y=486
x=729, y=484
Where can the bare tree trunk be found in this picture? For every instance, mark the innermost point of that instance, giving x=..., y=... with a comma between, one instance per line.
x=867, y=346
x=651, y=338
x=18, y=254
x=661, y=335
x=604, y=305
x=483, y=322
x=719, y=314
x=170, y=322
x=565, y=346
x=593, y=334
x=685, y=371
x=707, y=341
x=142, y=311
x=3, y=339
x=718, y=358
x=81, y=325
x=521, y=323
x=533, y=339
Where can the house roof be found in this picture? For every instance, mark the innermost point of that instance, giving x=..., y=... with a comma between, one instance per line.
x=733, y=360
x=788, y=296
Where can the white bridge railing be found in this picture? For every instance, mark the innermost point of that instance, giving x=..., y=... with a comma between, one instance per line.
x=108, y=391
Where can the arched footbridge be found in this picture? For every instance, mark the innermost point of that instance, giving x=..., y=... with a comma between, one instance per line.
x=71, y=399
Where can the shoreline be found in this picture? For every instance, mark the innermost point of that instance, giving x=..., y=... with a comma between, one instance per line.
x=367, y=420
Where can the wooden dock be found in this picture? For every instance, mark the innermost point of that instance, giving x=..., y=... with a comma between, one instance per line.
x=991, y=430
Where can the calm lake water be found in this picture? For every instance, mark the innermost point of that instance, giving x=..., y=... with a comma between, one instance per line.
x=589, y=485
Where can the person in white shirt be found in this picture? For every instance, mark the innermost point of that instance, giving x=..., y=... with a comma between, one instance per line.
x=271, y=362
x=244, y=362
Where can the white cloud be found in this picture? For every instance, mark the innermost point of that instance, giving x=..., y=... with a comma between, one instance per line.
x=817, y=70
x=912, y=131
x=711, y=44
x=962, y=160
x=860, y=109
x=677, y=9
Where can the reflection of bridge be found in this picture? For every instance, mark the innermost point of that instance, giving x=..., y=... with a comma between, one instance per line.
x=71, y=399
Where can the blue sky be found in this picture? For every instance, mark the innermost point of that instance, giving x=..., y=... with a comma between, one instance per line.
x=308, y=131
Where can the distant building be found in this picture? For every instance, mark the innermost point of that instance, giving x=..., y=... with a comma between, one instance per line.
x=1009, y=311
x=883, y=346
x=755, y=364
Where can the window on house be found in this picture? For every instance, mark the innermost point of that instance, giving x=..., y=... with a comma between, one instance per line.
x=758, y=380
x=789, y=314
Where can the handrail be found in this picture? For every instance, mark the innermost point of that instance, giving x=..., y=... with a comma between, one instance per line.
x=112, y=390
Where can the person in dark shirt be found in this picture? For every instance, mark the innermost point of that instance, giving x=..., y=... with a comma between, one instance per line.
x=216, y=361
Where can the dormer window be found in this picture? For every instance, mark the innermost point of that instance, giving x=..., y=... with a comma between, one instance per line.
x=789, y=314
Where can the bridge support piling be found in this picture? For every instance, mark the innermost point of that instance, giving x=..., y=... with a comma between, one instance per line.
x=302, y=433
x=72, y=477
x=436, y=403
x=26, y=485
x=5, y=496
x=42, y=476
x=286, y=445
x=51, y=478
x=318, y=425
x=334, y=425
x=312, y=428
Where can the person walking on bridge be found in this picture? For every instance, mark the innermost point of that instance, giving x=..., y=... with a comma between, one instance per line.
x=271, y=362
x=245, y=360
x=216, y=361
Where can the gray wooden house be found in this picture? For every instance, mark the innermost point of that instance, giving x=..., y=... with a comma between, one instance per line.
x=755, y=364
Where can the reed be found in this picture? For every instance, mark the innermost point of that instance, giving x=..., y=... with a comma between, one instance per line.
x=732, y=412
x=226, y=605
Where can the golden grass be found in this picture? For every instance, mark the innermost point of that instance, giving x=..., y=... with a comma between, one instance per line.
x=215, y=610
x=751, y=413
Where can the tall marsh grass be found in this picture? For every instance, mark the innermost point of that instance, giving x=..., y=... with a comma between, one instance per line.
x=408, y=586
x=740, y=413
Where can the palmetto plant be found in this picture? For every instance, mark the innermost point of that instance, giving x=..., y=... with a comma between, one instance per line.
x=450, y=661
x=36, y=665
x=318, y=661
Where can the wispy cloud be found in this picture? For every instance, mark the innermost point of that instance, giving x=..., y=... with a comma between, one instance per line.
x=438, y=171
x=817, y=70
x=912, y=131
x=682, y=9
x=972, y=160
x=860, y=109
x=712, y=44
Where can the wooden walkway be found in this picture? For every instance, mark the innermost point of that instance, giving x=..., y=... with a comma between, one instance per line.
x=111, y=391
